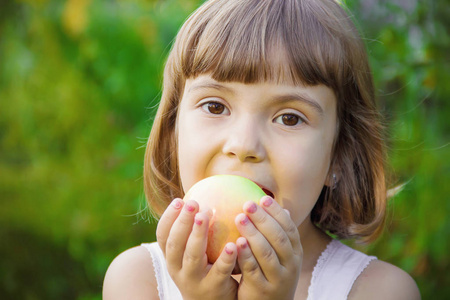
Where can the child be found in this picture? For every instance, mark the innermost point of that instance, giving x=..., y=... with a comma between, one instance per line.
x=280, y=92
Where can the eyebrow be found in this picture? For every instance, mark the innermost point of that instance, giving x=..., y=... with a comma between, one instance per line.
x=301, y=98
x=211, y=85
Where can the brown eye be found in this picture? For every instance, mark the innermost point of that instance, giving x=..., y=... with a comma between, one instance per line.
x=214, y=108
x=288, y=120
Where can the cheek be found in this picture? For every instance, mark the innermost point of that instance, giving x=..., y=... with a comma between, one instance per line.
x=194, y=150
x=308, y=163
x=186, y=152
x=304, y=175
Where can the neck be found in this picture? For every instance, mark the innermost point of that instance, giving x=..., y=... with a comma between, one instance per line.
x=314, y=241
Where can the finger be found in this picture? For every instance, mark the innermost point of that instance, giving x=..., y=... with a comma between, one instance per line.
x=166, y=221
x=195, y=258
x=179, y=234
x=247, y=262
x=263, y=252
x=269, y=227
x=282, y=216
x=224, y=265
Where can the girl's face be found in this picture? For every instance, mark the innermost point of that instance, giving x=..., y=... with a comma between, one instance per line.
x=279, y=136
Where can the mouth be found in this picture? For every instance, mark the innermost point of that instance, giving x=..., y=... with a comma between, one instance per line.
x=265, y=189
x=268, y=193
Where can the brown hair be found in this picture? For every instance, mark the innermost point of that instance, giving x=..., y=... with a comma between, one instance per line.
x=235, y=41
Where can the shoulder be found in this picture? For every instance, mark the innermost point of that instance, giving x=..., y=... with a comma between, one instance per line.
x=131, y=276
x=381, y=280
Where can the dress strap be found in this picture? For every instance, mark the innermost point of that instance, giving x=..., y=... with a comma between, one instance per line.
x=336, y=270
x=167, y=290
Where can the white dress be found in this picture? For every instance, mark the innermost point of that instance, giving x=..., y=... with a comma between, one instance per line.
x=334, y=274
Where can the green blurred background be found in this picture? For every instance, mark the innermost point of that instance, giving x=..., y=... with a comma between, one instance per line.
x=79, y=83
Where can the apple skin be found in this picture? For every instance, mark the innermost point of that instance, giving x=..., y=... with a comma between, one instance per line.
x=224, y=195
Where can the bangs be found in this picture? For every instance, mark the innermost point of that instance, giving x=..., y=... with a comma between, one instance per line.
x=289, y=42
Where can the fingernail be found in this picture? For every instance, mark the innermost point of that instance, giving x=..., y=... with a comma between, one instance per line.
x=267, y=201
x=228, y=250
x=251, y=208
x=177, y=203
x=198, y=221
x=189, y=208
x=244, y=220
x=210, y=213
x=244, y=245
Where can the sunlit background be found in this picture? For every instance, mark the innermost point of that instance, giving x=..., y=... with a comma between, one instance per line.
x=79, y=82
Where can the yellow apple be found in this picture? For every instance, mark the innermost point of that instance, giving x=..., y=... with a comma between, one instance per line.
x=224, y=195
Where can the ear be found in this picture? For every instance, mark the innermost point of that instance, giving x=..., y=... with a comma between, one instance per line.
x=332, y=179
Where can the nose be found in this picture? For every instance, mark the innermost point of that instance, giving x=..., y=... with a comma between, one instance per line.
x=244, y=141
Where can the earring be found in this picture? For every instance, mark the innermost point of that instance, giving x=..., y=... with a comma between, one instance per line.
x=334, y=181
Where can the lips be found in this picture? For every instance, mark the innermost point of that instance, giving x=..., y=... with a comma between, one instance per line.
x=265, y=189
x=268, y=193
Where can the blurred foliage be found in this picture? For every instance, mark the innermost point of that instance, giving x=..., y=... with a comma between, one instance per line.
x=79, y=81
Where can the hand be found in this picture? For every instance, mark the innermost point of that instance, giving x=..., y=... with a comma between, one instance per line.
x=182, y=235
x=269, y=252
